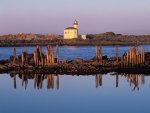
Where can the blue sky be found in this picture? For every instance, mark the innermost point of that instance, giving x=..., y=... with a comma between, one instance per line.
x=94, y=16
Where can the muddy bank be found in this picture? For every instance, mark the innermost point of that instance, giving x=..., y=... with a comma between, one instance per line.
x=72, y=67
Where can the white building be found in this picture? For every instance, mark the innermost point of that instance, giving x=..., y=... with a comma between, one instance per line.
x=83, y=37
x=71, y=32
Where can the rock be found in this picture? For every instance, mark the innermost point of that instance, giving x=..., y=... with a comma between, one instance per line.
x=3, y=61
x=77, y=61
x=63, y=61
x=3, y=68
x=147, y=56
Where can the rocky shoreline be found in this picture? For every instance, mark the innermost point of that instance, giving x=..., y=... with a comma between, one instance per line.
x=73, y=68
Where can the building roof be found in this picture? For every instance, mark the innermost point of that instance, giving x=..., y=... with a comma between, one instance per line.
x=70, y=28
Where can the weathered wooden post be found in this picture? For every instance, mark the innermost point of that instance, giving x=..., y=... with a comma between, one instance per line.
x=41, y=57
x=124, y=60
x=47, y=56
x=143, y=55
x=139, y=59
x=22, y=58
x=99, y=55
x=57, y=52
x=100, y=49
x=137, y=55
x=117, y=55
x=52, y=55
x=127, y=58
x=34, y=56
x=134, y=56
x=14, y=55
x=130, y=56
x=96, y=53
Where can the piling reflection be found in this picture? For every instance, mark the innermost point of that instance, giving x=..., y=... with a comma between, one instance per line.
x=132, y=79
x=38, y=81
x=98, y=80
x=52, y=80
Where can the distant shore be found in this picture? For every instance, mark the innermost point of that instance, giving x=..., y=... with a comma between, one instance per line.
x=108, y=38
x=72, y=42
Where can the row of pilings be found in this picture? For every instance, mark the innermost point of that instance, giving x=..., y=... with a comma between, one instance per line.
x=133, y=56
x=38, y=56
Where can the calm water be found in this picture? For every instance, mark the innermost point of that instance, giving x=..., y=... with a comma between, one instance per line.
x=71, y=52
x=116, y=93
x=72, y=94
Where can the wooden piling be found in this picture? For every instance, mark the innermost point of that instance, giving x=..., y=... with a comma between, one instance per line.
x=57, y=52
x=100, y=49
x=96, y=54
x=142, y=55
x=117, y=55
x=22, y=58
x=41, y=57
x=14, y=55
x=99, y=55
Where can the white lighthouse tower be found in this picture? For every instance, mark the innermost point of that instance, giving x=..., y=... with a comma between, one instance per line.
x=75, y=24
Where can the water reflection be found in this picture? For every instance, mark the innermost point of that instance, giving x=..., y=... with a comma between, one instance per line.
x=38, y=80
x=132, y=79
x=52, y=80
x=98, y=80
